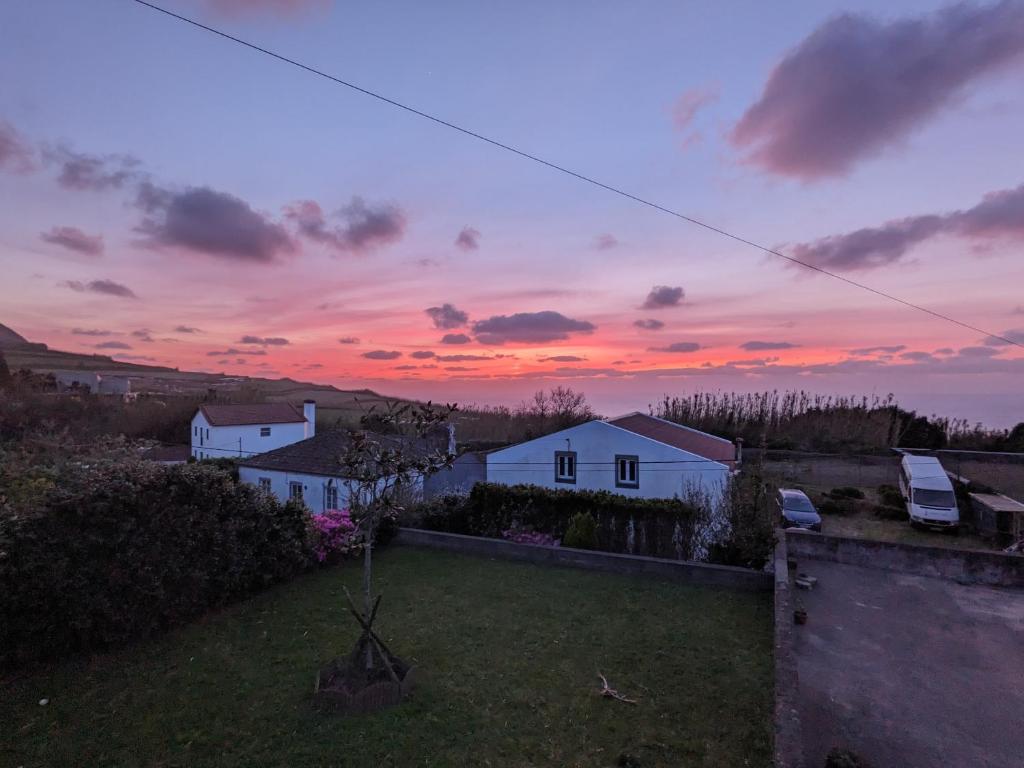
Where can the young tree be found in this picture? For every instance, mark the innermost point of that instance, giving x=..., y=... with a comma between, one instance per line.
x=409, y=442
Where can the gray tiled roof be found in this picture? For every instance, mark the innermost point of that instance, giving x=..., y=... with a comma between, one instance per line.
x=319, y=455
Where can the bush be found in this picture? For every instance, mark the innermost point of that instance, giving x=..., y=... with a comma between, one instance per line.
x=123, y=549
x=844, y=758
x=582, y=532
x=890, y=496
x=886, y=512
x=847, y=492
x=654, y=527
x=828, y=506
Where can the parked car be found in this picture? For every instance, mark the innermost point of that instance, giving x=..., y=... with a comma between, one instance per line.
x=796, y=510
x=928, y=493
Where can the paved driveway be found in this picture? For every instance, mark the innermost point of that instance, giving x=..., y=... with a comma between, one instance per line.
x=911, y=672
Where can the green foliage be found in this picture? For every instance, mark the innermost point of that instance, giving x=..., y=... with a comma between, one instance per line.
x=847, y=492
x=829, y=506
x=582, y=532
x=751, y=517
x=121, y=548
x=662, y=527
x=890, y=495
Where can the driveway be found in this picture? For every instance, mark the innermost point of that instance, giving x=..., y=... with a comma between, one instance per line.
x=910, y=672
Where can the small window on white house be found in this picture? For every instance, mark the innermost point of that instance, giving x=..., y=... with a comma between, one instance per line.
x=264, y=431
x=627, y=472
x=295, y=491
x=565, y=466
x=207, y=433
x=331, y=497
x=265, y=484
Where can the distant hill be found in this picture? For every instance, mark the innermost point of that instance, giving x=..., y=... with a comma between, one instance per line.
x=10, y=339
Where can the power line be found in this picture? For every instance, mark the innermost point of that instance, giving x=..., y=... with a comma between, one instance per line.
x=574, y=174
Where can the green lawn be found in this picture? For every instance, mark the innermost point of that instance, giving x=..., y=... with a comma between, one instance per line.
x=507, y=656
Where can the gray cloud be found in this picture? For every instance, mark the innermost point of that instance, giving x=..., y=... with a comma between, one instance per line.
x=892, y=350
x=186, y=329
x=649, y=325
x=281, y=8
x=422, y=354
x=447, y=316
x=363, y=228
x=113, y=345
x=1009, y=336
x=232, y=351
x=74, y=239
x=998, y=215
x=563, y=359
x=106, y=287
x=764, y=346
x=529, y=328
x=215, y=223
x=679, y=346
x=462, y=358
x=83, y=172
x=468, y=239
x=382, y=354
x=455, y=338
x=266, y=341
x=917, y=356
x=605, y=242
x=662, y=296
x=16, y=153
x=857, y=85
x=143, y=334
x=348, y=340
x=978, y=352
x=90, y=332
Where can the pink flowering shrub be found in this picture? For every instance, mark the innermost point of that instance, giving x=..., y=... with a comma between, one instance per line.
x=524, y=534
x=334, y=534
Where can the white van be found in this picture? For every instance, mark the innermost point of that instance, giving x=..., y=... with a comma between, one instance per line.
x=928, y=493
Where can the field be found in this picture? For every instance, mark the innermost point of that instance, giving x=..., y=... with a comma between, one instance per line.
x=508, y=656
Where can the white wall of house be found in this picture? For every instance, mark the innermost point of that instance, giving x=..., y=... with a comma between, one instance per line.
x=596, y=445
x=209, y=442
x=315, y=492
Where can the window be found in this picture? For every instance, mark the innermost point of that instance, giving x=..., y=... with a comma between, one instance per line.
x=927, y=497
x=331, y=496
x=207, y=433
x=264, y=431
x=264, y=484
x=627, y=472
x=565, y=466
x=295, y=491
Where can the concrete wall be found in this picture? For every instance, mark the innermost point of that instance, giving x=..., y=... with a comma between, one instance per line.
x=242, y=440
x=694, y=573
x=963, y=566
x=789, y=745
x=596, y=444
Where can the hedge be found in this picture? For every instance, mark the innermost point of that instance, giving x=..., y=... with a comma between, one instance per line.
x=123, y=550
x=660, y=527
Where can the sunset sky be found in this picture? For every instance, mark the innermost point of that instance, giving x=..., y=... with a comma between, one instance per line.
x=168, y=196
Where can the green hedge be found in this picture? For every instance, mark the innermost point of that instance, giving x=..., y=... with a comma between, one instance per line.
x=661, y=527
x=121, y=550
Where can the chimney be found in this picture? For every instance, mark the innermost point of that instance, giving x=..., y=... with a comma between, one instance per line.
x=309, y=411
x=739, y=452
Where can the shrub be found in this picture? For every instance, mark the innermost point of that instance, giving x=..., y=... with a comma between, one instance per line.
x=890, y=496
x=660, y=527
x=582, y=532
x=829, y=506
x=122, y=549
x=521, y=535
x=334, y=535
x=847, y=492
x=886, y=512
x=750, y=535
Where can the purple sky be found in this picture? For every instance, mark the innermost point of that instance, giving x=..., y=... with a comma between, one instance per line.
x=171, y=197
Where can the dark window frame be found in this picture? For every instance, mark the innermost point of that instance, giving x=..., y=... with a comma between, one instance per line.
x=301, y=495
x=264, y=431
x=627, y=483
x=570, y=478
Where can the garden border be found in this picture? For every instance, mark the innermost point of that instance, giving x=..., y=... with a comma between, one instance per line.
x=676, y=570
x=965, y=566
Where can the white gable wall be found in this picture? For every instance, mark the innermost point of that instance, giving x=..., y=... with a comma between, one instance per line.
x=596, y=444
x=209, y=442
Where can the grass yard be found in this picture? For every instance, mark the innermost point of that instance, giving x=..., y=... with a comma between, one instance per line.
x=507, y=657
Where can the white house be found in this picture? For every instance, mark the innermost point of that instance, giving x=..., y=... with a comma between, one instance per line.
x=310, y=471
x=633, y=455
x=240, y=430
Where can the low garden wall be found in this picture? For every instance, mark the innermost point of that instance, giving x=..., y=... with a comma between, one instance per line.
x=690, y=572
x=964, y=566
x=789, y=750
